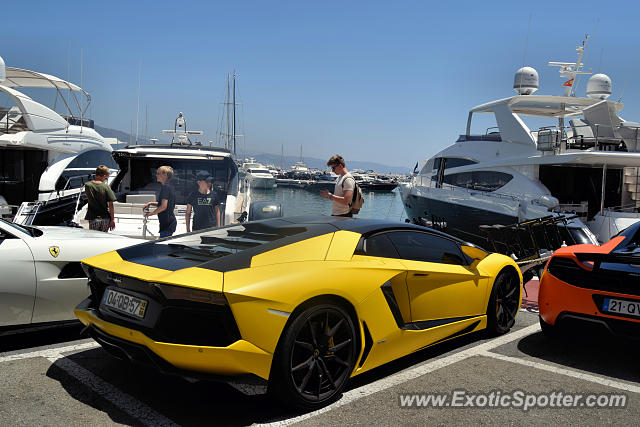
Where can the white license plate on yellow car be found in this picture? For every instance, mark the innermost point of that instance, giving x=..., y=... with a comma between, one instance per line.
x=612, y=305
x=124, y=303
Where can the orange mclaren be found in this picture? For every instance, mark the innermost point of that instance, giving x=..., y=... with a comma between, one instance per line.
x=594, y=285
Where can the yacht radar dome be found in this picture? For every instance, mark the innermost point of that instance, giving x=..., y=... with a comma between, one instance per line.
x=525, y=81
x=3, y=72
x=599, y=86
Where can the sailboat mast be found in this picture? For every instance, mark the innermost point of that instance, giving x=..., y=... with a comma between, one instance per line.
x=233, y=130
x=227, y=105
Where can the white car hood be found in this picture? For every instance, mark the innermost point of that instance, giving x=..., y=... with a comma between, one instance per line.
x=74, y=233
x=73, y=244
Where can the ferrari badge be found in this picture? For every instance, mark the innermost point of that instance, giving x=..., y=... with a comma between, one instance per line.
x=54, y=251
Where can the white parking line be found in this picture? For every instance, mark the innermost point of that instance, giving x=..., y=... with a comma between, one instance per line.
x=50, y=352
x=411, y=374
x=567, y=372
x=120, y=399
x=123, y=401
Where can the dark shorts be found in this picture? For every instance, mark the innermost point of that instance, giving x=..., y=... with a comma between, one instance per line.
x=349, y=215
x=168, y=229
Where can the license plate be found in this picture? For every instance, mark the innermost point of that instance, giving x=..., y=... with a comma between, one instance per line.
x=124, y=303
x=613, y=305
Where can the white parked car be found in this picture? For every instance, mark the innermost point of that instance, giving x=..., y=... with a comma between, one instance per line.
x=41, y=279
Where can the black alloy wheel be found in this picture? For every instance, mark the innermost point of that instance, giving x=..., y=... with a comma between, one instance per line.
x=504, y=303
x=316, y=358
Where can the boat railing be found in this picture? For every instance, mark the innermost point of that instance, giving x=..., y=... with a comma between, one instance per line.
x=581, y=136
x=580, y=209
x=13, y=121
x=632, y=208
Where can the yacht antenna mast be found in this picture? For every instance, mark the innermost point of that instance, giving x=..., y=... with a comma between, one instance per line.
x=569, y=70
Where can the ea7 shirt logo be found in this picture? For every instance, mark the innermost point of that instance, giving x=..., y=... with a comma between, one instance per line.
x=54, y=251
x=204, y=201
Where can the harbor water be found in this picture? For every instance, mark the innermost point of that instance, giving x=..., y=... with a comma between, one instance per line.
x=296, y=202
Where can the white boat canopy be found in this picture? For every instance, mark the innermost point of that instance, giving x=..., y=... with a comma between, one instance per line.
x=20, y=78
x=17, y=77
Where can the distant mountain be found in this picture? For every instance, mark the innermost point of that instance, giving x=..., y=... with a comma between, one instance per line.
x=276, y=159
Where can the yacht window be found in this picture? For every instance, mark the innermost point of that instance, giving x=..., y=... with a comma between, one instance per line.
x=419, y=246
x=92, y=159
x=479, y=180
x=74, y=178
x=454, y=162
x=20, y=172
x=143, y=176
x=427, y=168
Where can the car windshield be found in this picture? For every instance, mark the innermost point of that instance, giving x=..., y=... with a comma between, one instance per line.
x=28, y=230
x=219, y=242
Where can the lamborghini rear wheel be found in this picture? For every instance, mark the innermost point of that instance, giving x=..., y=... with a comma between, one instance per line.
x=503, y=303
x=316, y=357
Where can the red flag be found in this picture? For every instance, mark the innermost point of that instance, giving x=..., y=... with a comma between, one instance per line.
x=568, y=83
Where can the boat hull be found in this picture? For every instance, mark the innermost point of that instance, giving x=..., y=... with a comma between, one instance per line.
x=262, y=183
x=378, y=186
x=456, y=219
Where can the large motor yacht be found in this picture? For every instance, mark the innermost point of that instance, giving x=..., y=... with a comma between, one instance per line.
x=584, y=162
x=45, y=156
x=257, y=175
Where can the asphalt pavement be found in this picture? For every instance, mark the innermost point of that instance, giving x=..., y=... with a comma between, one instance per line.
x=50, y=378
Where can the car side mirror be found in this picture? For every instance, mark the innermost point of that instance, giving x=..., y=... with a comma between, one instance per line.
x=474, y=253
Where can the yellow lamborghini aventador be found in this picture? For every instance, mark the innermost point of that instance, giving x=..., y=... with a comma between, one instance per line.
x=299, y=305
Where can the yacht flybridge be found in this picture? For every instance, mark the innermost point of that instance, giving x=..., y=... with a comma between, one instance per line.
x=45, y=157
x=586, y=162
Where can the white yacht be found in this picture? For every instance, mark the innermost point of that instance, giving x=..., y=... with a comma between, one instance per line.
x=135, y=184
x=257, y=176
x=45, y=157
x=584, y=162
x=260, y=178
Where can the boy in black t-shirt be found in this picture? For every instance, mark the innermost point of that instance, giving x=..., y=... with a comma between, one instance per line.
x=166, y=203
x=204, y=203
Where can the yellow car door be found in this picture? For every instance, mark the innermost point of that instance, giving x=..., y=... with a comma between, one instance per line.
x=440, y=282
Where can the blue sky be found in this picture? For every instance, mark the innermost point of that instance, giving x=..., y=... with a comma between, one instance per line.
x=382, y=81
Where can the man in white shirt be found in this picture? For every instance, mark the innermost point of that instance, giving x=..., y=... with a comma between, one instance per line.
x=343, y=191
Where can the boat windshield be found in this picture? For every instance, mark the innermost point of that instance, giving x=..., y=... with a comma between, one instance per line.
x=141, y=178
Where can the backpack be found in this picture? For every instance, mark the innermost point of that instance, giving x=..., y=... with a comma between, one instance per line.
x=357, y=200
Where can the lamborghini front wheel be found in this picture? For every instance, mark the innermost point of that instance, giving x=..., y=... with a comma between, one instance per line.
x=316, y=357
x=504, y=302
